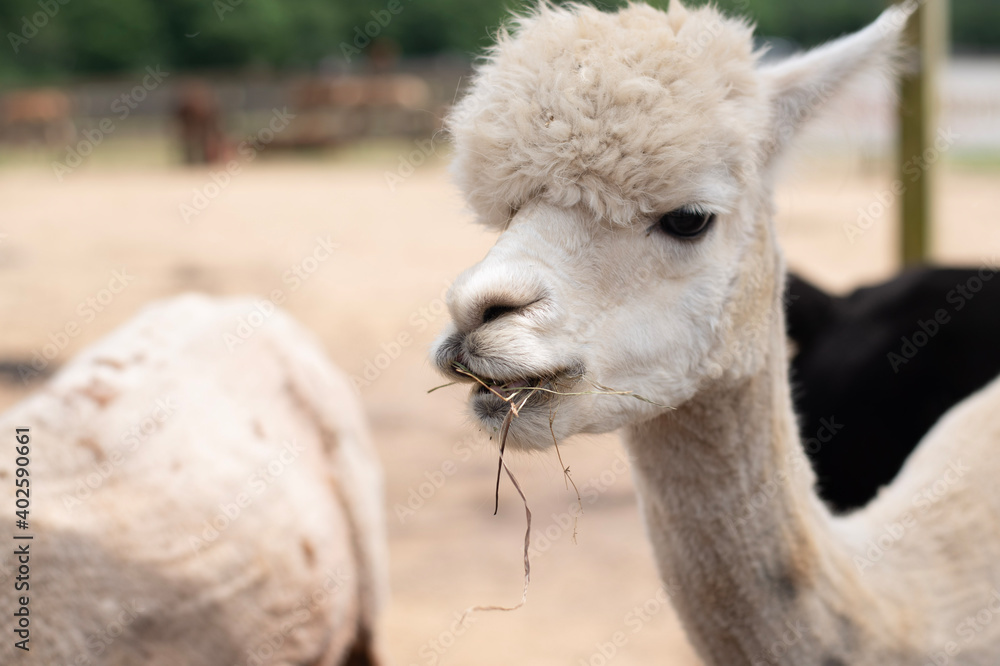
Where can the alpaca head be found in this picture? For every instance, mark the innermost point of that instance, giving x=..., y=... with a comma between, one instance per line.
x=625, y=159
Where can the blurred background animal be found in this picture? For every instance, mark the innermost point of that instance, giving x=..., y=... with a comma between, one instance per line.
x=197, y=501
x=874, y=369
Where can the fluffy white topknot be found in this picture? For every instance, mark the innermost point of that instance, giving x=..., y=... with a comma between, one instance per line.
x=630, y=113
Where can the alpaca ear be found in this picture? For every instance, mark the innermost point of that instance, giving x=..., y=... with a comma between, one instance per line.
x=800, y=85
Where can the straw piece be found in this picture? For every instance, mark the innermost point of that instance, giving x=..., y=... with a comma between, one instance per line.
x=527, y=562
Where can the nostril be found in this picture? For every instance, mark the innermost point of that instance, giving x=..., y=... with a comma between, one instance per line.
x=497, y=311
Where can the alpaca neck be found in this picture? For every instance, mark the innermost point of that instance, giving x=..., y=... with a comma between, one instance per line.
x=748, y=552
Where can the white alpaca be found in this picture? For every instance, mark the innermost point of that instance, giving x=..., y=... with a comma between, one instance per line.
x=629, y=159
x=195, y=505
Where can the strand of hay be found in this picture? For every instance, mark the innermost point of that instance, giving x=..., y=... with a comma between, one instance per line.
x=568, y=478
x=512, y=413
x=527, y=561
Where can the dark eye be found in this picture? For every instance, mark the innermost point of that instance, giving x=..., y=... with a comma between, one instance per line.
x=685, y=222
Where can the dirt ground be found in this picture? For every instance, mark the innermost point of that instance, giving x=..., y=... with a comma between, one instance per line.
x=376, y=305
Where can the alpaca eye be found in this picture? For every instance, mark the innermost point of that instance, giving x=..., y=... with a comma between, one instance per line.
x=685, y=222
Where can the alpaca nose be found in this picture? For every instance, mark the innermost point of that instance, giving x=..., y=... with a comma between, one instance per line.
x=481, y=297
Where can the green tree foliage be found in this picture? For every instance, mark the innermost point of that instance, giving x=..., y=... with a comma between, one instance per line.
x=54, y=39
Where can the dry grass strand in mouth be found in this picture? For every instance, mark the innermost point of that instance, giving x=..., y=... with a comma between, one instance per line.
x=527, y=512
x=504, y=429
x=512, y=413
x=601, y=389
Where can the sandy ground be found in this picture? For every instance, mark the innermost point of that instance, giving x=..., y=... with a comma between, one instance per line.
x=376, y=304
